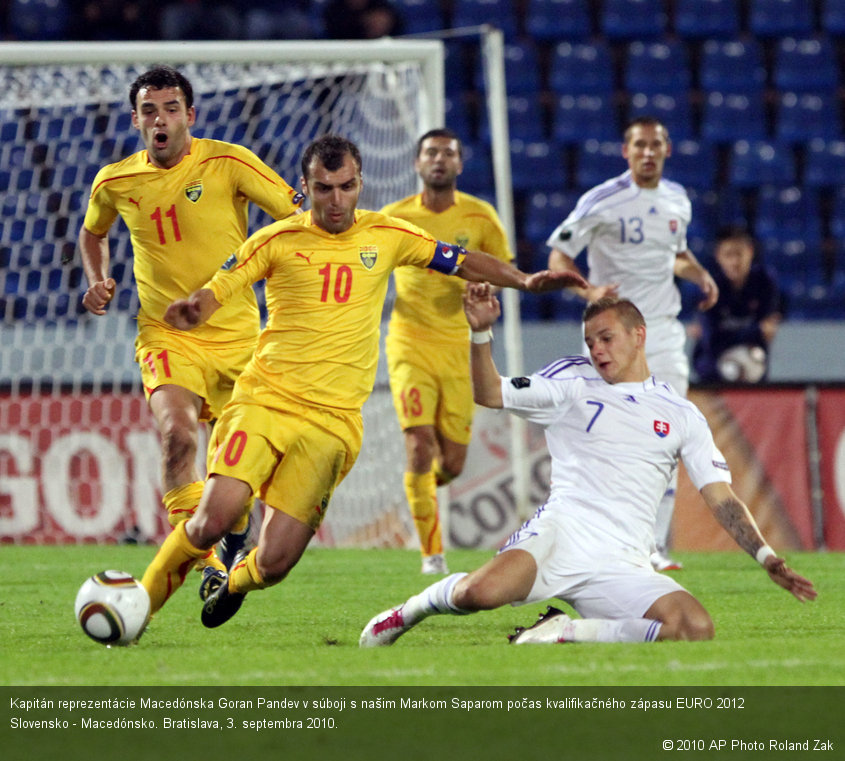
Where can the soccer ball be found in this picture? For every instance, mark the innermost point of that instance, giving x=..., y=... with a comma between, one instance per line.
x=745, y=364
x=112, y=608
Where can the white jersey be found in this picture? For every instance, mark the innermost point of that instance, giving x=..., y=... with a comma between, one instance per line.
x=632, y=236
x=613, y=447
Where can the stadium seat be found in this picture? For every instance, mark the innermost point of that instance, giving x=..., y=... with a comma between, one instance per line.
x=598, y=161
x=833, y=17
x=477, y=177
x=537, y=166
x=761, y=162
x=805, y=65
x=780, y=18
x=787, y=224
x=581, y=69
x=824, y=164
x=556, y=20
x=837, y=216
x=578, y=117
x=674, y=111
x=457, y=117
x=633, y=19
x=544, y=212
x=732, y=66
x=657, y=67
x=522, y=70
x=707, y=19
x=525, y=119
x=713, y=210
x=499, y=13
x=728, y=117
x=421, y=16
x=801, y=117
x=693, y=163
x=39, y=20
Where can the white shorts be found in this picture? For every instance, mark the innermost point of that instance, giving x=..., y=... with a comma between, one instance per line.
x=573, y=565
x=665, y=351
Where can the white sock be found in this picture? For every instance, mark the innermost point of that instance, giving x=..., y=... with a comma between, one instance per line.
x=607, y=630
x=436, y=598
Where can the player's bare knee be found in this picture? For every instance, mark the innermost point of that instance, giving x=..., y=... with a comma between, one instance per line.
x=690, y=627
x=273, y=569
x=206, y=529
x=475, y=593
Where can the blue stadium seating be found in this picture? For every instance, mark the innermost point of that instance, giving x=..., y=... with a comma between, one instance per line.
x=824, y=164
x=707, y=19
x=581, y=69
x=728, y=117
x=544, y=212
x=555, y=20
x=457, y=117
x=537, y=166
x=499, y=13
x=801, y=117
x=761, y=162
x=693, y=163
x=598, y=161
x=525, y=119
x=805, y=65
x=477, y=177
x=421, y=16
x=833, y=17
x=673, y=110
x=31, y=20
x=657, y=67
x=788, y=226
x=732, y=66
x=633, y=19
x=779, y=18
x=580, y=117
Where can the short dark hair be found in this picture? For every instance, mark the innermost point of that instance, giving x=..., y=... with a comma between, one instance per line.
x=441, y=132
x=330, y=151
x=625, y=310
x=159, y=78
x=735, y=232
x=644, y=121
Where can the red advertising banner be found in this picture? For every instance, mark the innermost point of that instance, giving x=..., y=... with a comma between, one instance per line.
x=831, y=423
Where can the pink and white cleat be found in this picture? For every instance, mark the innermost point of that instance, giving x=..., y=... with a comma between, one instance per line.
x=384, y=629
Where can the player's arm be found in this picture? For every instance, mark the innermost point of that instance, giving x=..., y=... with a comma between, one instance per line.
x=94, y=251
x=687, y=267
x=188, y=313
x=735, y=518
x=482, y=309
x=479, y=267
x=563, y=262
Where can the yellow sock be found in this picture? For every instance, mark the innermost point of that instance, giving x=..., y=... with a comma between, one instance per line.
x=182, y=502
x=421, y=493
x=167, y=571
x=245, y=576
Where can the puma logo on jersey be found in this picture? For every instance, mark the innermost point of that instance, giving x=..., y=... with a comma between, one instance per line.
x=137, y=203
x=307, y=258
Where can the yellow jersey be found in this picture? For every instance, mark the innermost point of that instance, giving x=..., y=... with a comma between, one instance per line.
x=429, y=305
x=184, y=222
x=325, y=295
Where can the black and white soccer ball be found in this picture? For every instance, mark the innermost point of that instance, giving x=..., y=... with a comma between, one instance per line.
x=743, y=364
x=112, y=608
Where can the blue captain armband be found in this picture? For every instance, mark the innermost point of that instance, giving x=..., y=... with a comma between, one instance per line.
x=447, y=258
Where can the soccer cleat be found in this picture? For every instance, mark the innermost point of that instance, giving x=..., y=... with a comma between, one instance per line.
x=221, y=606
x=212, y=580
x=384, y=629
x=551, y=627
x=434, y=564
x=660, y=561
x=232, y=544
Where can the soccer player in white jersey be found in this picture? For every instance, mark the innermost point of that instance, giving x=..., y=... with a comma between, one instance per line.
x=614, y=433
x=634, y=228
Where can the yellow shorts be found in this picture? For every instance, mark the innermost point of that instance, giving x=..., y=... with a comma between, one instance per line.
x=292, y=459
x=207, y=371
x=431, y=386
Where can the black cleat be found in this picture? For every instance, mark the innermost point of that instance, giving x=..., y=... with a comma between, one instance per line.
x=212, y=580
x=232, y=544
x=220, y=607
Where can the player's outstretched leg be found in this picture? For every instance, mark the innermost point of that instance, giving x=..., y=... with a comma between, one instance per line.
x=389, y=625
x=554, y=626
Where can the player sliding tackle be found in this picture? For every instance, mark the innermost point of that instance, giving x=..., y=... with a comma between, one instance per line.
x=293, y=428
x=614, y=433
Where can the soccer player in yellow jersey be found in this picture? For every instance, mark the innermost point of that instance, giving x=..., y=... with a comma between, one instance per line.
x=293, y=427
x=427, y=343
x=185, y=202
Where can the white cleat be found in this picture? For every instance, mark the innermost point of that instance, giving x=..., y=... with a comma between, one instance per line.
x=552, y=627
x=434, y=564
x=384, y=629
x=660, y=561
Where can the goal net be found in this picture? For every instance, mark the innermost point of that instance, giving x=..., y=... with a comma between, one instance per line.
x=78, y=449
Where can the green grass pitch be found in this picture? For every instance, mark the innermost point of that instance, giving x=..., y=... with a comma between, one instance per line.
x=305, y=631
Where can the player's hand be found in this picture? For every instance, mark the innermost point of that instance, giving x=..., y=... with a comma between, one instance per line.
x=98, y=295
x=710, y=292
x=594, y=293
x=184, y=314
x=547, y=280
x=481, y=306
x=802, y=589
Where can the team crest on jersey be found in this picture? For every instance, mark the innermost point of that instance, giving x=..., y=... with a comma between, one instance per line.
x=368, y=255
x=462, y=239
x=193, y=190
x=661, y=428
x=673, y=226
